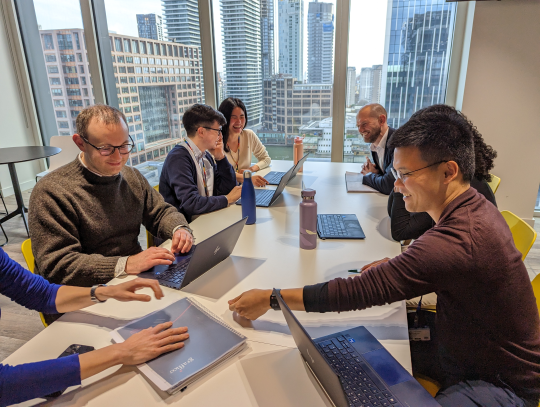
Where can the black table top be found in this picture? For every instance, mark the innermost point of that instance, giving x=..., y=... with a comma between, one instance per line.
x=11, y=155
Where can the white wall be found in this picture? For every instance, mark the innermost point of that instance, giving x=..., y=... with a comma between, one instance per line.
x=502, y=96
x=15, y=129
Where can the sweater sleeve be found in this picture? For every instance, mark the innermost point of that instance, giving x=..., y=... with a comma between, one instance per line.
x=259, y=151
x=25, y=288
x=159, y=217
x=56, y=242
x=404, y=224
x=32, y=380
x=224, y=176
x=180, y=174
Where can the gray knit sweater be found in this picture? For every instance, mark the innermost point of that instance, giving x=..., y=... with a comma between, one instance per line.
x=81, y=223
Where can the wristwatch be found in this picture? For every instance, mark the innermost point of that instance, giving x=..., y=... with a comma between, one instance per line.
x=93, y=293
x=274, y=304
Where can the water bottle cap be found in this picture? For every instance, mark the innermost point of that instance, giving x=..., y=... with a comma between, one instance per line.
x=298, y=140
x=308, y=192
x=247, y=174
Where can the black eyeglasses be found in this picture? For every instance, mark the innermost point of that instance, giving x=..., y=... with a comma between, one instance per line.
x=109, y=150
x=400, y=175
x=210, y=128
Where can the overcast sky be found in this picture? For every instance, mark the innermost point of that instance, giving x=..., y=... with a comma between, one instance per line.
x=366, y=36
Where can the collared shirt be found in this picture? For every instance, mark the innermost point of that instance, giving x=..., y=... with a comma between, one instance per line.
x=203, y=162
x=379, y=149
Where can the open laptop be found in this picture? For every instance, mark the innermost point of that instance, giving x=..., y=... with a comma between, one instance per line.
x=354, y=369
x=339, y=227
x=274, y=177
x=266, y=197
x=201, y=258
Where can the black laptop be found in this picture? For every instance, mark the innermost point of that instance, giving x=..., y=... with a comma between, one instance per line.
x=339, y=227
x=354, y=369
x=201, y=258
x=274, y=177
x=266, y=197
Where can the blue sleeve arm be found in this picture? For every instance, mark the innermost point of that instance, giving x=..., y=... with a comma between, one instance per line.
x=31, y=380
x=383, y=183
x=224, y=177
x=26, y=289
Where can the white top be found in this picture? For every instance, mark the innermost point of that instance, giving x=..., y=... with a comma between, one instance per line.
x=201, y=162
x=379, y=149
x=249, y=145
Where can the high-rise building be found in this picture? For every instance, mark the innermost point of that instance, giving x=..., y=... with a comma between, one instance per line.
x=369, y=84
x=156, y=82
x=291, y=35
x=221, y=88
x=417, y=56
x=182, y=21
x=241, y=35
x=320, y=42
x=150, y=26
x=376, y=77
x=351, y=86
x=268, y=27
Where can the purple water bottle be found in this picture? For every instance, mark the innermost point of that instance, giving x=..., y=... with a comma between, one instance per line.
x=248, y=199
x=308, y=220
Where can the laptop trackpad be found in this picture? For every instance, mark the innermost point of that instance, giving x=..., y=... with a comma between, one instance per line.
x=387, y=367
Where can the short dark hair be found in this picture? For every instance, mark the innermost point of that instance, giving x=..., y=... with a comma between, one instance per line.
x=103, y=113
x=484, y=154
x=226, y=107
x=199, y=115
x=439, y=137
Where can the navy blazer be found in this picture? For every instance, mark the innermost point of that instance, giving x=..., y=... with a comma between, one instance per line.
x=178, y=183
x=384, y=180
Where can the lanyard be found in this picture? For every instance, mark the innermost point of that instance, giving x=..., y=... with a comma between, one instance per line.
x=236, y=161
x=203, y=170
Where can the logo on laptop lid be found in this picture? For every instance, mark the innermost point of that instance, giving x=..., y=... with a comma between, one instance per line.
x=217, y=250
x=312, y=360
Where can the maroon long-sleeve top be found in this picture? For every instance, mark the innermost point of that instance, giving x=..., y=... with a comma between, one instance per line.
x=487, y=318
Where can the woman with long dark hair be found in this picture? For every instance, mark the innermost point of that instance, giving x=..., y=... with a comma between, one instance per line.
x=406, y=225
x=241, y=143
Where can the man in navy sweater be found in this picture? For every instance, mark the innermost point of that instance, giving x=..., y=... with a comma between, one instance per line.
x=196, y=177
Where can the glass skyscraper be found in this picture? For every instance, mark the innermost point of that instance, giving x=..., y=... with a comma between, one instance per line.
x=417, y=56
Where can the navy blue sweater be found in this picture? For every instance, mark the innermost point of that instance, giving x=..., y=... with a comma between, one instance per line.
x=31, y=380
x=178, y=183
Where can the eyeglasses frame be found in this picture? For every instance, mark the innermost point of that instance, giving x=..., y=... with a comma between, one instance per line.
x=399, y=175
x=107, y=146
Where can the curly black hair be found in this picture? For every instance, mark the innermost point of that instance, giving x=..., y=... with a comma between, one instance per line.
x=226, y=108
x=484, y=154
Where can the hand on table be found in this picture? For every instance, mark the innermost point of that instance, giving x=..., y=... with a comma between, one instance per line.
x=251, y=304
x=369, y=167
x=126, y=291
x=152, y=342
x=375, y=263
x=182, y=241
x=147, y=259
x=259, y=181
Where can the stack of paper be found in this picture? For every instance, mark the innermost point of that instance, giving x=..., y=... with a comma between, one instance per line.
x=211, y=342
x=354, y=183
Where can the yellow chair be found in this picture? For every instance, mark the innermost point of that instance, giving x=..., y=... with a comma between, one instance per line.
x=494, y=183
x=524, y=235
x=149, y=237
x=26, y=249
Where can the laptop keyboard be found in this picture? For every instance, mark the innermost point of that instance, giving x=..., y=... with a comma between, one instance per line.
x=274, y=177
x=264, y=197
x=332, y=226
x=362, y=389
x=175, y=273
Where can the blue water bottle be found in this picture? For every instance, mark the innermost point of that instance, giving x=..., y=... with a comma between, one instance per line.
x=248, y=199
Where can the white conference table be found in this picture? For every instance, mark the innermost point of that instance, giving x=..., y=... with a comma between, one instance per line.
x=270, y=371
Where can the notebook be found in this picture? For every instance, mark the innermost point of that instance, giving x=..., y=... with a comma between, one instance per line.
x=211, y=342
x=354, y=183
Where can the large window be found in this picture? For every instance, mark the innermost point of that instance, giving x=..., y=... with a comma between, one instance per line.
x=162, y=57
x=277, y=57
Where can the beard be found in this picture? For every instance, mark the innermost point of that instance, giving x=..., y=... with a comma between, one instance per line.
x=373, y=135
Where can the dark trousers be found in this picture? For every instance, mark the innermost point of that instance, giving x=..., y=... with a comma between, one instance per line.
x=426, y=361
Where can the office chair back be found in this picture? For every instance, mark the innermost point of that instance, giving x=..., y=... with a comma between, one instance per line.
x=68, y=153
x=524, y=235
x=494, y=183
x=26, y=249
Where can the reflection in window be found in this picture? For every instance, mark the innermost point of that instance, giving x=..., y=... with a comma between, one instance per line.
x=77, y=43
x=64, y=41
x=48, y=42
x=50, y=58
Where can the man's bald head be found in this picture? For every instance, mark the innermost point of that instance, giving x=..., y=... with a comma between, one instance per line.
x=371, y=122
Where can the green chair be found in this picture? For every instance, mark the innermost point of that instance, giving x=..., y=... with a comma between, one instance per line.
x=26, y=249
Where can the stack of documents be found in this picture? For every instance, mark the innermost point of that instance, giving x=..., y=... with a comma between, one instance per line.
x=354, y=183
x=211, y=342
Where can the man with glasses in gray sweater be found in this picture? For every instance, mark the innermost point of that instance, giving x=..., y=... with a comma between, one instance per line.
x=85, y=217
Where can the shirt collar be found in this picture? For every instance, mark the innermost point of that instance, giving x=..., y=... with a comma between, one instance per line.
x=196, y=151
x=382, y=143
x=84, y=165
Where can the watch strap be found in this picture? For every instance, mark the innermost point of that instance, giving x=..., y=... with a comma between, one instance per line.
x=93, y=293
x=274, y=304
